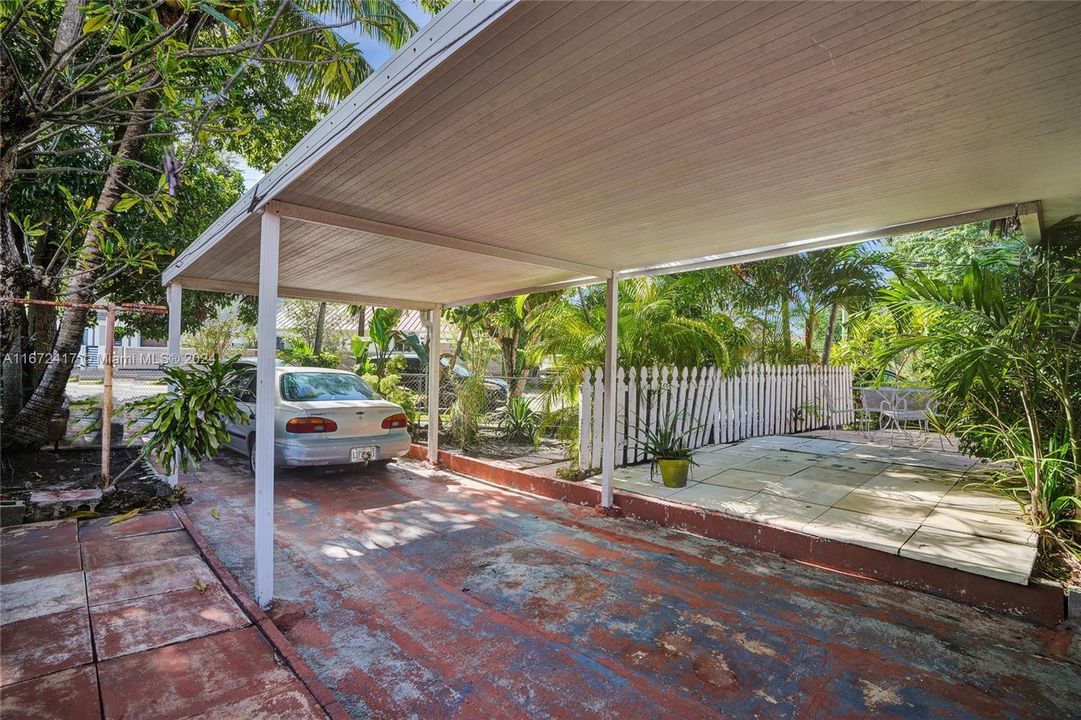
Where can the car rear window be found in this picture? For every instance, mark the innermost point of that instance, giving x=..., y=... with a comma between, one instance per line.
x=304, y=386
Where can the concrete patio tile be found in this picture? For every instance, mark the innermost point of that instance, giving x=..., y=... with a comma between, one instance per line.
x=739, y=452
x=778, y=511
x=962, y=497
x=142, y=524
x=993, y=525
x=797, y=487
x=909, y=489
x=294, y=703
x=825, y=446
x=717, y=462
x=830, y=475
x=127, y=550
x=131, y=626
x=45, y=644
x=886, y=506
x=771, y=441
x=709, y=496
x=886, y=534
x=915, y=472
x=993, y=558
x=69, y=694
x=151, y=577
x=740, y=478
x=852, y=465
x=776, y=466
x=41, y=596
x=193, y=677
x=53, y=534
x=656, y=489
x=18, y=565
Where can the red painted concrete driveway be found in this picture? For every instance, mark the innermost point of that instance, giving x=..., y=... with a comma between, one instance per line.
x=425, y=595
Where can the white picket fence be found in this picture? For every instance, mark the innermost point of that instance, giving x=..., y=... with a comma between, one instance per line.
x=760, y=400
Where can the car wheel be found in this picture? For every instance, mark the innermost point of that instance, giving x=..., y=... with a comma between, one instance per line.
x=251, y=455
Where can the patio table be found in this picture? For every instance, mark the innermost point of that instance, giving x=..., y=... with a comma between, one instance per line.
x=896, y=406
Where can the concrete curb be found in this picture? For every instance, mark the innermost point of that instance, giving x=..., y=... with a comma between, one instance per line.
x=266, y=625
x=1040, y=603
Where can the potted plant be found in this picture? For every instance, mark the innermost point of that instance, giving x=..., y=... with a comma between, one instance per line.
x=668, y=448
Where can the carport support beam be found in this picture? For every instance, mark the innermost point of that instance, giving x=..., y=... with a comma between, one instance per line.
x=434, y=367
x=264, y=405
x=611, y=330
x=172, y=299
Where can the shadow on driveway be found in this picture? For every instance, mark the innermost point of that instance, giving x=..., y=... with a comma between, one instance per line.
x=428, y=594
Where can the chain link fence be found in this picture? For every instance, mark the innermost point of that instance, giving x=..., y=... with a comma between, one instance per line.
x=330, y=329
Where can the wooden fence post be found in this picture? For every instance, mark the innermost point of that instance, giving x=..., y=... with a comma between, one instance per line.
x=107, y=397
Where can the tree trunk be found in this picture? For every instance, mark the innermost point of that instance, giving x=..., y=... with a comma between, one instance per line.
x=457, y=348
x=827, y=347
x=360, y=320
x=809, y=329
x=320, y=321
x=30, y=426
x=17, y=123
x=786, y=329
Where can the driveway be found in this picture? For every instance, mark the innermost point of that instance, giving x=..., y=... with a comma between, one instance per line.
x=430, y=595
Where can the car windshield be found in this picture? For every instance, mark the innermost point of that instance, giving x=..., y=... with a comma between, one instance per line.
x=304, y=386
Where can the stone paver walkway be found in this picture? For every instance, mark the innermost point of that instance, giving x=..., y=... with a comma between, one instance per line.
x=906, y=500
x=128, y=621
x=413, y=593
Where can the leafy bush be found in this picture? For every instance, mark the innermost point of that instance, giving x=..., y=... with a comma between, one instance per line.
x=390, y=388
x=1003, y=357
x=576, y=474
x=192, y=416
x=469, y=407
x=519, y=421
x=297, y=351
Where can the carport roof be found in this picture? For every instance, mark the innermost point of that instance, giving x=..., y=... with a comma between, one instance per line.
x=513, y=146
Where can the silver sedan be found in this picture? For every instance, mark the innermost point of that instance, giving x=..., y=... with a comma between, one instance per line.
x=321, y=417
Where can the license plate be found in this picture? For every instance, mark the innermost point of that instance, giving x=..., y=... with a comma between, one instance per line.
x=360, y=454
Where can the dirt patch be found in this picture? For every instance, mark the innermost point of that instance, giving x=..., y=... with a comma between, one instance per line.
x=25, y=472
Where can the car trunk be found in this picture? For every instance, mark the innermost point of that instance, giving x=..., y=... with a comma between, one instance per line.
x=354, y=418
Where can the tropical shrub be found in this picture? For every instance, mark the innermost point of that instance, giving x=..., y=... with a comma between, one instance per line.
x=297, y=351
x=1002, y=351
x=390, y=388
x=191, y=418
x=519, y=421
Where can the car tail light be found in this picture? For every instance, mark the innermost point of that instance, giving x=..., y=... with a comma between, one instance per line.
x=310, y=425
x=395, y=421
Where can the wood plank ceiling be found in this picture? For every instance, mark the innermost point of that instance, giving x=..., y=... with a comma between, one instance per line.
x=625, y=135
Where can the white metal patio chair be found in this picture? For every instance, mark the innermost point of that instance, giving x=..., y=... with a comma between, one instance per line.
x=837, y=409
x=902, y=406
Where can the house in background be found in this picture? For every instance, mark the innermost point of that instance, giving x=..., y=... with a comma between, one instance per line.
x=131, y=350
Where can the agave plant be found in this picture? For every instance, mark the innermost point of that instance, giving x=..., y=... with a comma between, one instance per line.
x=519, y=421
x=668, y=442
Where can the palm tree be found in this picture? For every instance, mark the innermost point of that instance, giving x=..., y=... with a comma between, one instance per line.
x=1003, y=356
x=571, y=332
x=845, y=277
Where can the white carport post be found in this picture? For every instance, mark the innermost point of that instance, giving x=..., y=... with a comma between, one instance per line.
x=172, y=299
x=611, y=331
x=434, y=318
x=264, y=405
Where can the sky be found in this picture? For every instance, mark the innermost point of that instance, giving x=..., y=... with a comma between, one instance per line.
x=374, y=51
